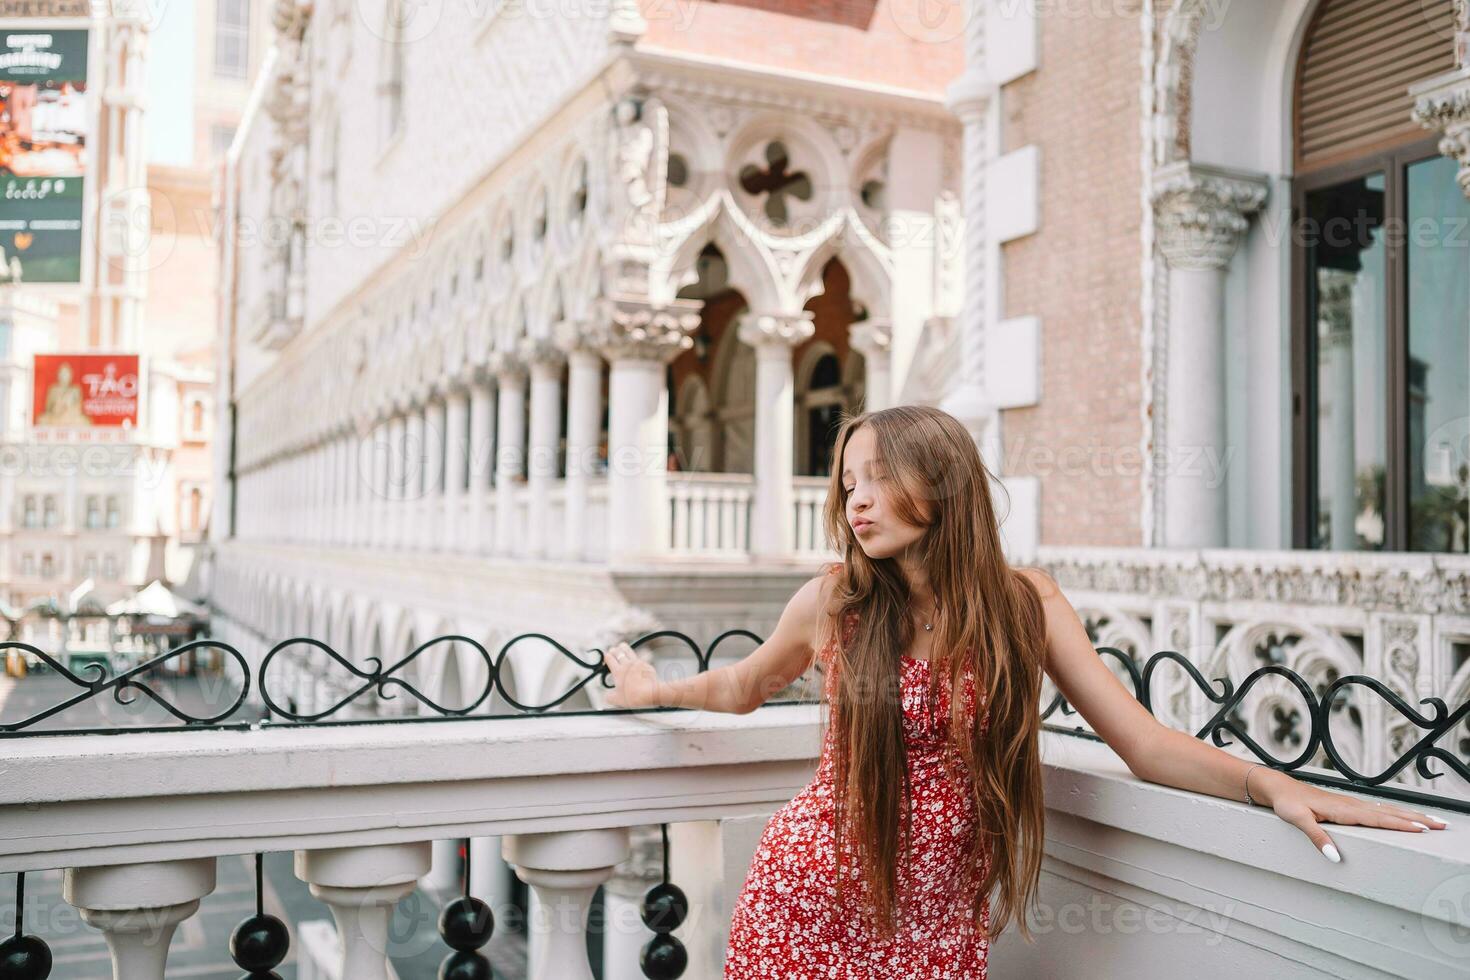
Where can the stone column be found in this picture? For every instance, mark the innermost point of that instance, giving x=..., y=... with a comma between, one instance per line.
x=773, y=335
x=435, y=514
x=480, y=459
x=456, y=435
x=972, y=97
x=639, y=340
x=510, y=449
x=364, y=475
x=411, y=528
x=545, y=361
x=1335, y=420
x=584, y=420
x=1201, y=215
x=872, y=338
x=137, y=907
x=381, y=498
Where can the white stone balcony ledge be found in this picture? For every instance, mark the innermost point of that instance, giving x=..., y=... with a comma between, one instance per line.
x=1147, y=880
x=1139, y=879
x=86, y=800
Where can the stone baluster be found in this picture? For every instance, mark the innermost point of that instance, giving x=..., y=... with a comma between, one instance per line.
x=137, y=907
x=361, y=885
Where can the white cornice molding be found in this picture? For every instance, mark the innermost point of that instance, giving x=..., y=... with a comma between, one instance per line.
x=795, y=91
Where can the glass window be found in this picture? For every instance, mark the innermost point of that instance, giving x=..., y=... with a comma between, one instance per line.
x=1437, y=259
x=29, y=519
x=114, y=512
x=50, y=511
x=1383, y=377
x=94, y=512
x=1346, y=281
x=231, y=38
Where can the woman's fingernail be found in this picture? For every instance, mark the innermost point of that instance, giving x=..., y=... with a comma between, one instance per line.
x=1442, y=823
x=1418, y=824
x=1331, y=852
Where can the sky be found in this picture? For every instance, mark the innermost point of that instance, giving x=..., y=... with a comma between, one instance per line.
x=170, y=126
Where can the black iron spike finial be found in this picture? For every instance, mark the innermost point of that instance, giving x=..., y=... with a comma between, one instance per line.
x=466, y=924
x=665, y=908
x=259, y=944
x=23, y=957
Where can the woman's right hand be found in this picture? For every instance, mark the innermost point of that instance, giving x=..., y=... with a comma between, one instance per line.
x=635, y=683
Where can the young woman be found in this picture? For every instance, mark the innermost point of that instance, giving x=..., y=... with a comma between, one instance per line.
x=919, y=814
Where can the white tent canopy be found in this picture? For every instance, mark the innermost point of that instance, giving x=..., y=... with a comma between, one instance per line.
x=156, y=601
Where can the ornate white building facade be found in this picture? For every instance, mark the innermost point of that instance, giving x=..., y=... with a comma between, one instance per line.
x=544, y=329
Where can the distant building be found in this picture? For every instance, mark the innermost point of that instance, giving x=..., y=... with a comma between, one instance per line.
x=119, y=502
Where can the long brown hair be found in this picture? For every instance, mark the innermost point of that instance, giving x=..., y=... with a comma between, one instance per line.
x=988, y=619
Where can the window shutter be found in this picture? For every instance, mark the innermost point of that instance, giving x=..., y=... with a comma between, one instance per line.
x=1359, y=59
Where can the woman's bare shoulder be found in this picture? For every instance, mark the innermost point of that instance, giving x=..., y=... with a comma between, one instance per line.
x=810, y=608
x=1045, y=585
x=815, y=595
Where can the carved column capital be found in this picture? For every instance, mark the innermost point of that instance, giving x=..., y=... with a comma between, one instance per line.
x=870, y=337
x=540, y=355
x=1202, y=213
x=505, y=366
x=1443, y=104
x=776, y=329
x=628, y=328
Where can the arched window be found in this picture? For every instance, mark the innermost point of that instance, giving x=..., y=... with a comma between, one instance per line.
x=822, y=404
x=1381, y=349
x=390, y=86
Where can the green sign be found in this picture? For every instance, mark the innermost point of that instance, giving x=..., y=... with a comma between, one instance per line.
x=44, y=125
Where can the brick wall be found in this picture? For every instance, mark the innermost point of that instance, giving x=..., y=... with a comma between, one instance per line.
x=1080, y=274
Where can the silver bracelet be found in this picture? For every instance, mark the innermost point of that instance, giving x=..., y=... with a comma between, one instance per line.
x=1248, y=798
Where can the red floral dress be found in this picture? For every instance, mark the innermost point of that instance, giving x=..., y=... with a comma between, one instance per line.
x=787, y=924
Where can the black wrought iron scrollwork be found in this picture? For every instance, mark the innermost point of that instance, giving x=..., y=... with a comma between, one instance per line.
x=1222, y=727
x=1431, y=754
x=1419, y=754
x=131, y=680
x=376, y=678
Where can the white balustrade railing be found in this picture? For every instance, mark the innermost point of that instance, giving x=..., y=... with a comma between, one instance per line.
x=709, y=518
x=1403, y=619
x=810, y=494
x=361, y=806
x=1136, y=875
x=710, y=514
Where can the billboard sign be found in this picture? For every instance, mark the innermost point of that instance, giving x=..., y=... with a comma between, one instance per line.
x=44, y=127
x=72, y=391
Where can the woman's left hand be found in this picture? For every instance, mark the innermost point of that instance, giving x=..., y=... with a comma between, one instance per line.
x=1307, y=807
